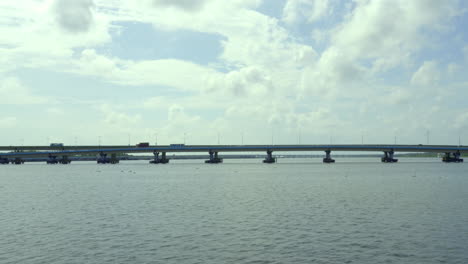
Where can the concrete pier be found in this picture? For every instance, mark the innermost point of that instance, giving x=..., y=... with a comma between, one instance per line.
x=158, y=160
x=17, y=161
x=103, y=159
x=214, y=159
x=114, y=159
x=64, y=160
x=388, y=157
x=269, y=158
x=328, y=158
x=452, y=157
x=52, y=160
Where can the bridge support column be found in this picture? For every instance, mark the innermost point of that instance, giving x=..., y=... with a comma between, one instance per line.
x=328, y=158
x=114, y=159
x=452, y=157
x=102, y=158
x=17, y=161
x=157, y=160
x=214, y=159
x=269, y=158
x=388, y=158
x=52, y=159
x=65, y=160
x=4, y=160
x=164, y=159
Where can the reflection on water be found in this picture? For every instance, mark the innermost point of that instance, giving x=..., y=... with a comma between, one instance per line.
x=296, y=211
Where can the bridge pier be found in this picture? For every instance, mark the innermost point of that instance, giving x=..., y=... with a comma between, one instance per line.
x=388, y=158
x=328, y=158
x=17, y=161
x=65, y=160
x=452, y=157
x=114, y=159
x=269, y=158
x=214, y=159
x=157, y=160
x=102, y=158
x=52, y=159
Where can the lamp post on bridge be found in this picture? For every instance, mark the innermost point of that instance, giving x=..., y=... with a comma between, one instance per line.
x=299, y=137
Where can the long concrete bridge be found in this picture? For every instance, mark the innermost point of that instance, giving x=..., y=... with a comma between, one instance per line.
x=108, y=154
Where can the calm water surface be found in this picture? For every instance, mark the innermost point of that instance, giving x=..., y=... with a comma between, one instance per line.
x=296, y=211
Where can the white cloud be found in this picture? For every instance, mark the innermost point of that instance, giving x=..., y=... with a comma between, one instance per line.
x=251, y=38
x=373, y=32
x=310, y=10
x=187, y=5
x=461, y=121
x=266, y=76
x=157, y=102
x=44, y=34
x=178, y=74
x=13, y=92
x=8, y=122
x=398, y=97
x=55, y=111
x=427, y=75
x=119, y=119
x=333, y=71
x=248, y=81
x=465, y=52
x=74, y=15
x=263, y=42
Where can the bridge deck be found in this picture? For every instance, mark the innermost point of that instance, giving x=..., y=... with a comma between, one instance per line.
x=37, y=151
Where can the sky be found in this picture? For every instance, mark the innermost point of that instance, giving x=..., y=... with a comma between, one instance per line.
x=233, y=72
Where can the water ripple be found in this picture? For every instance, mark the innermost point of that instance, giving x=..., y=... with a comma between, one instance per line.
x=250, y=213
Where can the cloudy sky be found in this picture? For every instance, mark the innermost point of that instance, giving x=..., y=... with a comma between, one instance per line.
x=281, y=71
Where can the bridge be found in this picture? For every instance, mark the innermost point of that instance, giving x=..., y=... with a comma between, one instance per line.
x=61, y=154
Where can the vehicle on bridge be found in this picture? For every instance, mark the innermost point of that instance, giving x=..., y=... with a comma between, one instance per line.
x=143, y=145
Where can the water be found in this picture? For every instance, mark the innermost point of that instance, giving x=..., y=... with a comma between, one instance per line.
x=296, y=211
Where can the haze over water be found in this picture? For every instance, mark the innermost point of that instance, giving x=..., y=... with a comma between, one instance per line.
x=296, y=211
